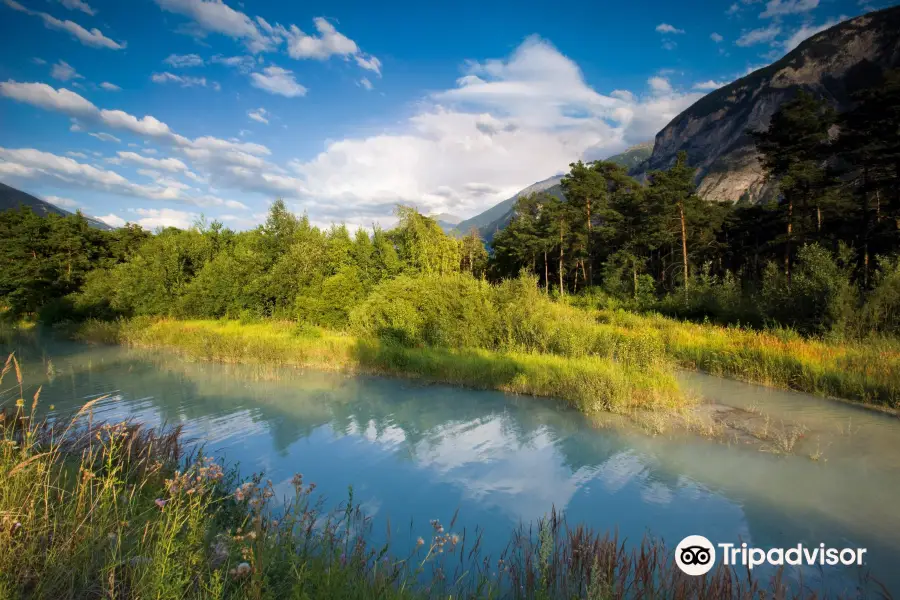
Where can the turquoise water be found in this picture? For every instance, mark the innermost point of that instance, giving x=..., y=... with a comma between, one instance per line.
x=415, y=453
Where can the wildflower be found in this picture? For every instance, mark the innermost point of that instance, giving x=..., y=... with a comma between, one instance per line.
x=454, y=539
x=420, y=542
x=242, y=570
x=20, y=403
x=297, y=480
x=52, y=407
x=160, y=502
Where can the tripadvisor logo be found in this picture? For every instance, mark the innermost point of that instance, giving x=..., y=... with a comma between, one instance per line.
x=696, y=555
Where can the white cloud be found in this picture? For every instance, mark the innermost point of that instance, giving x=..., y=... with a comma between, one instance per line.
x=183, y=61
x=716, y=37
x=62, y=202
x=759, y=36
x=74, y=154
x=733, y=9
x=666, y=28
x=167, y=77
x=217, y=17
x=328, y=43
x=59, y=170
x=504, y=125
x=364, y=82
x=110, y=87
x=245, y=64
x=276, y=80
x=258, y=115
x=165, y=217
x=807, y=31
x=149, y=150
x=64, y=71
x=105, y=137
x=173, y=165
x=112, y=220
x=660, y=85
x=45, y=96
x=368, y=62
x=78, y=5
x=38, y=61
x=778, y=8
x=93, y=38
x=709, y=85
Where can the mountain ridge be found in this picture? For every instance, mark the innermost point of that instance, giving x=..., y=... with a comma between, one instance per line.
x=11, y=198
x=831, y=64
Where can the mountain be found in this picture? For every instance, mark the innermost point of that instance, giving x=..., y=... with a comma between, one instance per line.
x=10, y=197
x=499, y=215
x=832, y=64
x=447, y=221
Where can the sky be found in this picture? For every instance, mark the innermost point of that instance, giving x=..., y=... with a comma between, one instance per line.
x=159, y=111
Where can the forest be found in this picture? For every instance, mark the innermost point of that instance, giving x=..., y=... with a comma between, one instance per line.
x=819, y=257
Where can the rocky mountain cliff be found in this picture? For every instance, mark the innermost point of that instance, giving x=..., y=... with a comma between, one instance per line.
x=832, y=64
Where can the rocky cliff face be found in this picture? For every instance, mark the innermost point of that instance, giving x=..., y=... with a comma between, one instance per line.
x=832, y=64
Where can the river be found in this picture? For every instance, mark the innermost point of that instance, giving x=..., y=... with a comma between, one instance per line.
x=415, y=453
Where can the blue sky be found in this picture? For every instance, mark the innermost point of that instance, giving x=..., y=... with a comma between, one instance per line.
x=158, y=111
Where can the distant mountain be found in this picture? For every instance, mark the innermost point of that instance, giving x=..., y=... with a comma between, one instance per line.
x=499, y=215
x=10, y=197
x=447, y=221
x=713, y=131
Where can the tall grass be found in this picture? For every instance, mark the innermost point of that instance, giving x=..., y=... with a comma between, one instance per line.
x=867, y=371
x=589, y=383
x=116, y=511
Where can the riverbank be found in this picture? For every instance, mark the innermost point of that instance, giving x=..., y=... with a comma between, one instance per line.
x=863, y=371
x=589, y=383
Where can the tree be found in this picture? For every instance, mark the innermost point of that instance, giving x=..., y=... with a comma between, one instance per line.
x=673, y=189
x=793, y=150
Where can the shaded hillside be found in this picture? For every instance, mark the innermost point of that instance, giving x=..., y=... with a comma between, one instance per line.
x=832, y=64
x=10, y=197
x=498, y=216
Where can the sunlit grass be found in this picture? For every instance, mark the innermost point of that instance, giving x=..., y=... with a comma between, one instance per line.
x=867, y=371
x=589, y=383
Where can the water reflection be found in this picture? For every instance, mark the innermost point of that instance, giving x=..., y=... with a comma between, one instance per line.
x=420, y=452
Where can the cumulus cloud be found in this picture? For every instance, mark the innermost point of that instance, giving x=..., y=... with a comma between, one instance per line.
x=245, y=64
x=78, y=5
x=30, y=163
x=276, y=80
x=183, y=61
x=167, y=77
x=110, y=87
x=105, y=137
x=151, y=218
x=505, y=124
x=660, y=85
x=112, y=220
x=62, y=202
x=716, y=37
x=173, y=165
x=217, y=17
x=93, y=38
x=64, y=71
x=666, y=28
x=708, y=85
x=364, y=82
x=258, y=115
x=759, y=36
x=778, y=8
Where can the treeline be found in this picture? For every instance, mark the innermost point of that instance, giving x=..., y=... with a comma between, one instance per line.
x=60, y=268
x=819, y=256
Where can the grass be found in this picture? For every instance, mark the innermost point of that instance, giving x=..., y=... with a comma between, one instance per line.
x=117, y=511
x=865, y=371
x=589, y=383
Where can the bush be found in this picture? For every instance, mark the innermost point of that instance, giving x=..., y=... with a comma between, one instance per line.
x=456, y=311
x=881, y=312
x=819, y=298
